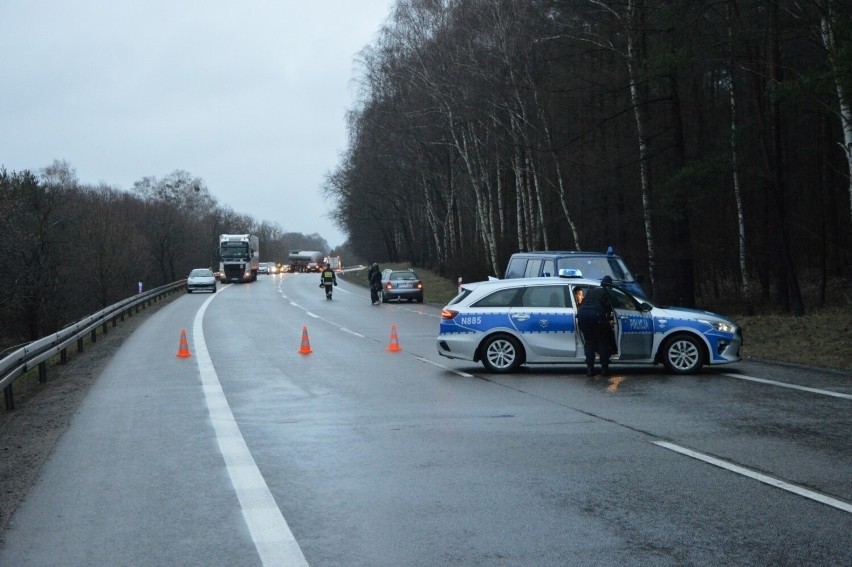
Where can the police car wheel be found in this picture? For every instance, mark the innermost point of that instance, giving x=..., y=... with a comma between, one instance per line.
x=683, y=355
x=501, y=354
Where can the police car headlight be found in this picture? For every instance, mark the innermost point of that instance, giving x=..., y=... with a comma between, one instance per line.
x=722, y=326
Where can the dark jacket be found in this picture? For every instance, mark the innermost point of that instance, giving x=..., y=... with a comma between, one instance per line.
x=328, y=277
x=596, y=305
x=376, y=279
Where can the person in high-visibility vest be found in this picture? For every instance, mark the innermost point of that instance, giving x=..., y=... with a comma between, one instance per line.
x=328, y=279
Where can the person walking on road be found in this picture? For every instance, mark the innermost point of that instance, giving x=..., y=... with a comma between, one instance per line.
x=593, y=318
x=374, y=276
x=328, y=279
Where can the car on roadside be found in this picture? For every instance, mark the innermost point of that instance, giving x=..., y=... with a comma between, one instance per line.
x=200, y=279
x=533, y=321
x=401, y=284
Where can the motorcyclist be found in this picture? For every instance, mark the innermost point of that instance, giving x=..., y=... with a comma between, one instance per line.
x=328, y=279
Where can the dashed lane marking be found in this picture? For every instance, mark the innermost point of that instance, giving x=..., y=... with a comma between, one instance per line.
x=791, y=386
x=816, y=496
x=447, y=368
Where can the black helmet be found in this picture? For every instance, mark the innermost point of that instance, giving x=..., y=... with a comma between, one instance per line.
x=606, y=280
x=376, y=266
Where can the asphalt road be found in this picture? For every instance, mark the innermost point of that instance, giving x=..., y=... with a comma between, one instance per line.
x=249, y=452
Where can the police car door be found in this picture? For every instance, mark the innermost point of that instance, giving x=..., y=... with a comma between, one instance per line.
x=634, y=328
x=544, y=321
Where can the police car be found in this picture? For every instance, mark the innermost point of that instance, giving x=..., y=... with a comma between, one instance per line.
x=532, y=321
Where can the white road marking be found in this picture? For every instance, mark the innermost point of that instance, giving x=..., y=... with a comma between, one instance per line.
x=269, y=530
x=791, y=386
x=439, y=365
x=345, y=330
x=822, y=498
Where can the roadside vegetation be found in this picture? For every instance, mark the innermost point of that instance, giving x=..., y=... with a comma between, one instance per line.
x=704, y=141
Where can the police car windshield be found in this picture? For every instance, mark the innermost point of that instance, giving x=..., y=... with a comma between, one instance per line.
x=596, y=268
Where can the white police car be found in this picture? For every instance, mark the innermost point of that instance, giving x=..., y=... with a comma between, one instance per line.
x=507, y=323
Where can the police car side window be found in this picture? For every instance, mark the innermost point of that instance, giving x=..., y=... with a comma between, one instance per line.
x=621, y=300
x=544, y=296
x=501, y=298
x=516, y=268
x=533, y=268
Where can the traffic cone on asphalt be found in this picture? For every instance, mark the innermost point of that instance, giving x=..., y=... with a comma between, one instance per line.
x=394, y=340
x=306, y=343
x=183, y=349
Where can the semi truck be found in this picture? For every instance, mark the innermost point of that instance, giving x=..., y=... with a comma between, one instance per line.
x=239, y=258
x=305, y=261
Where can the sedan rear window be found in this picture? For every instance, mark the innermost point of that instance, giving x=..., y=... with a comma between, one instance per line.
x=403, y=276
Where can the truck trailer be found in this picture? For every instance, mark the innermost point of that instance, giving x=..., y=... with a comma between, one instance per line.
x=305, y=260
x=239, y=258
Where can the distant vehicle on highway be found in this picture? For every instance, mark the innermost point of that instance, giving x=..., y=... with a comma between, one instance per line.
x=263, y=268
x=201, y=279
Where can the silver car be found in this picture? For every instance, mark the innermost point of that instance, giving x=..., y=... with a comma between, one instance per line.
x=200, y=279
x=507, y=323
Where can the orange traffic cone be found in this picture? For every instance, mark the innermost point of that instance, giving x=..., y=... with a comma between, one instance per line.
x=306, y=343
x=394, y=340
x=183, y=350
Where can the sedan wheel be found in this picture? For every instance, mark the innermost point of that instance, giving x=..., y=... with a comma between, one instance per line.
x=683, y=355
x=501, y=354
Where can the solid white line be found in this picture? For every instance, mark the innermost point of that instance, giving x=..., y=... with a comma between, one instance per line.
x=269, y=530
x=822, y=498
x=791, y=386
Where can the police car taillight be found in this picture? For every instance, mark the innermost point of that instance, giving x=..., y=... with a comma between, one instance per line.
x=448, y=314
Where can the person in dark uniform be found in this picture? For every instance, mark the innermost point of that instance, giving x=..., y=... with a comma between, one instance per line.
x=374, y=276
x=593, y=319
x=328, y=279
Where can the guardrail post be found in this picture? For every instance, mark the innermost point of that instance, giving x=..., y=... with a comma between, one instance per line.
x=63, y=356
x=42, y=372
x=104, y=327
x=95, y=335
x=79, y=345
x=10, y=399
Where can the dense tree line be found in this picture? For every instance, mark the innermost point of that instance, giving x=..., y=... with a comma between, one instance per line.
x=708, y=141
x=70, y=250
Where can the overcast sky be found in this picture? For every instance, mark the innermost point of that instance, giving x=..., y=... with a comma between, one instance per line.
x=248, y=95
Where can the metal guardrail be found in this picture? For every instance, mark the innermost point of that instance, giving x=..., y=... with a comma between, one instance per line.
x=36, y=353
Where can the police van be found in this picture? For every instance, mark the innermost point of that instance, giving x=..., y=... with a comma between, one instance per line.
x=591, y=265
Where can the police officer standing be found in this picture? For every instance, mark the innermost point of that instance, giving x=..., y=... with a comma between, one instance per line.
x=593, y=318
